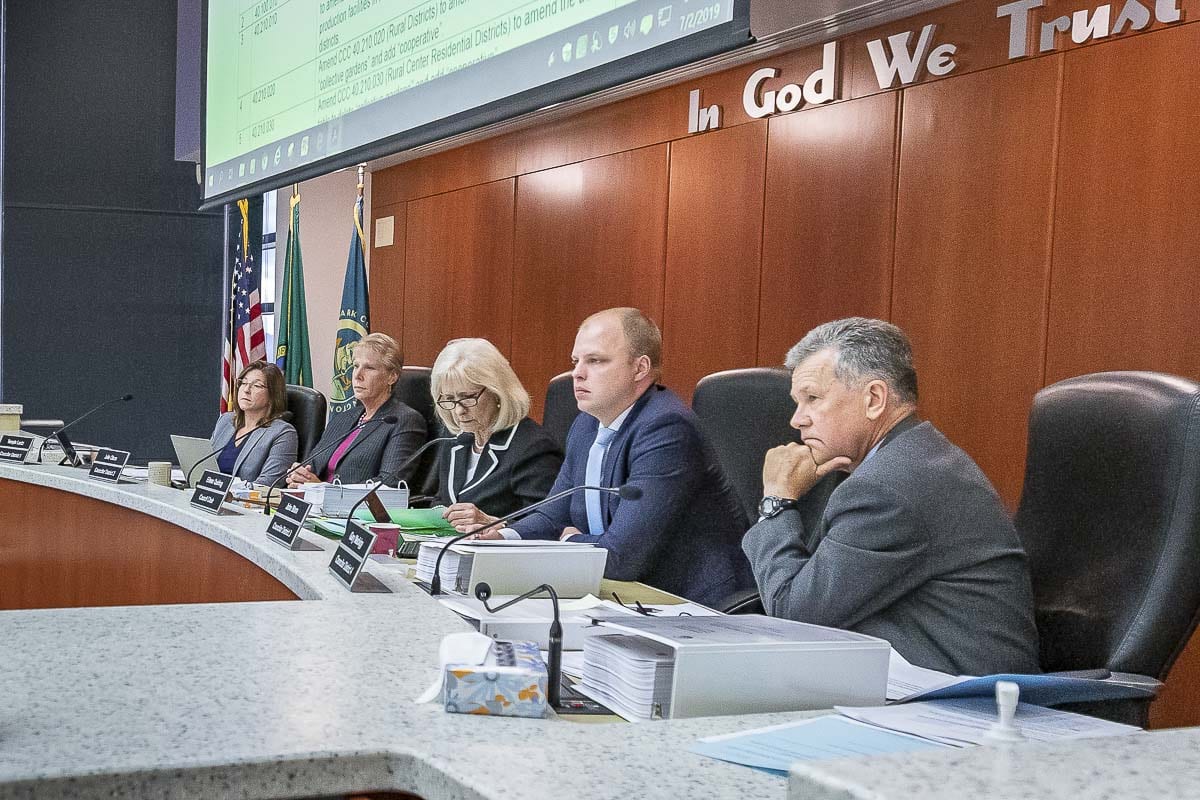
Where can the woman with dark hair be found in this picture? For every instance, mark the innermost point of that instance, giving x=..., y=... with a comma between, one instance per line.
x=255, y=445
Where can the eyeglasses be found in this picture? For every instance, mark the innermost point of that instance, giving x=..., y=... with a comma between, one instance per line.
x=466, y=401
x=254, y=387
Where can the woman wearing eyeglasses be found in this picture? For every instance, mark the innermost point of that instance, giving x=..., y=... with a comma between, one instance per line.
x=255, y=444
x=512, y=461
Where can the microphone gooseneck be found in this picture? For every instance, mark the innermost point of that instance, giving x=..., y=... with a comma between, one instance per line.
x=390, y=419
x=553, y=669
x=435, y=583
x=122, y=399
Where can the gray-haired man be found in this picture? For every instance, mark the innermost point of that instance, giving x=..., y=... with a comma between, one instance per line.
x=914, y=546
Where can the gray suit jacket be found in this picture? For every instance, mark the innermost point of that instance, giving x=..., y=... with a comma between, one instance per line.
x=265, y=455
x=913, y=547
x=380, y=450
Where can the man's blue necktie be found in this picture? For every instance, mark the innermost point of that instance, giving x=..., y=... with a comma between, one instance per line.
x=595, y=463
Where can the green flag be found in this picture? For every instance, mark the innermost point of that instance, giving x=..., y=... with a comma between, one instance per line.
x=291, y=349
x=353, y=322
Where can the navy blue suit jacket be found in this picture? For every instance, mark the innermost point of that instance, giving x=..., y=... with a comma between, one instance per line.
x=684, y=534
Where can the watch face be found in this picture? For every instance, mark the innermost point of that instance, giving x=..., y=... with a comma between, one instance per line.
x=768, y=506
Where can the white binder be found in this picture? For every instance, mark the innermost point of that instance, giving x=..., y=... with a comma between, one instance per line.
x=747, y=664
x=574, y=570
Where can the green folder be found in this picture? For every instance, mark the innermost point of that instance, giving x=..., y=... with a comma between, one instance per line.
x=414, y=522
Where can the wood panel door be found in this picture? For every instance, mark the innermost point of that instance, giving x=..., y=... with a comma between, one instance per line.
x=588, y=236
x=827, y=235
x=458, y=269
x=972, y=254
x=1126, y=280
x=714, y=239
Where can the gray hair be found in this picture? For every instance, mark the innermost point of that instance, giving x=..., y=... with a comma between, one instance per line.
x=867, y=349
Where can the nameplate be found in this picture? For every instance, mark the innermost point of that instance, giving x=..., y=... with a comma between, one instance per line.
x=351, y=554
x=108, y=464
x=284, y=527
x=211, y=491
x=14, y=448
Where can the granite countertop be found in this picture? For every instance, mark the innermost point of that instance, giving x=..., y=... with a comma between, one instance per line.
x=279, y=699
x=275, y=699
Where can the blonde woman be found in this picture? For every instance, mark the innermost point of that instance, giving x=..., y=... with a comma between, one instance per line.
x=512, y=462
x=369, y=452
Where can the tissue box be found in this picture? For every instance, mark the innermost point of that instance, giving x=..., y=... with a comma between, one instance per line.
x=511, y=683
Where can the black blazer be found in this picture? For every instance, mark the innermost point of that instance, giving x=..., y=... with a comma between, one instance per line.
x=517, y=467
x=379, y=450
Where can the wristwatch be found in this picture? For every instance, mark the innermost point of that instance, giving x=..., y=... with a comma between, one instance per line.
x=772, y=506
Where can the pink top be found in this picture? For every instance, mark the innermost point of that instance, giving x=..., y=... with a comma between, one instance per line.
x=339, y=452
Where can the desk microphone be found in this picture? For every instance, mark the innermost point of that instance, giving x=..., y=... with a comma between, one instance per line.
x=625, y=492
x=462, y=438
x=391, y=419
x=285, y=416
x=554, y=669
x=65, y=443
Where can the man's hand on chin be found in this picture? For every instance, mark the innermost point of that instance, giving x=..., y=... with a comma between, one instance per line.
x=791, y=470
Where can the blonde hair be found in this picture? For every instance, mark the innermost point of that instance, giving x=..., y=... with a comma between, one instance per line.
x=478, y=361
x=388, y=350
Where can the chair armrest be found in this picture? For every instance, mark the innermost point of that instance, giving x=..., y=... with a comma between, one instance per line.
x=744, y=601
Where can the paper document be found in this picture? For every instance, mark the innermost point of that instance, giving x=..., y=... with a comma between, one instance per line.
x=776, y=748
x=965, y=721
x=908, y=680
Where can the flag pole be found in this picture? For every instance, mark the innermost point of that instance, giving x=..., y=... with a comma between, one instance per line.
x=362, y=169
x=229, y=337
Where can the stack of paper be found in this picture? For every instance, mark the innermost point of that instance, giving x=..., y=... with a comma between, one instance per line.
x=965, y=721
x=629, y=674
x=428, y=556
x=530, y=619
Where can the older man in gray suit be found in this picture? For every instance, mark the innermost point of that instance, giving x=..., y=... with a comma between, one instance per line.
x=914, y=545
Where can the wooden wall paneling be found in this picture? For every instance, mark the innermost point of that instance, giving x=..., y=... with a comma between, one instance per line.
x=479, y=162
x=100, y=554
x=588, y=236
x=714, y=239
x=458, y=269
x=827, y=232
x=386, y=276
x=1126, y=279
x=972, y=253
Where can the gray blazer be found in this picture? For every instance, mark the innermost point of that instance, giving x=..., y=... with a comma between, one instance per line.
x=913, y=547
x=380, y=450
x=265, y=455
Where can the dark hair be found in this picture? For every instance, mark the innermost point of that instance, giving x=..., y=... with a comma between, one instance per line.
x=276, y=390
x=867, y=349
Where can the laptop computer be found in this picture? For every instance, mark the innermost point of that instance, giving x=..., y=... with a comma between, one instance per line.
x=190, y=451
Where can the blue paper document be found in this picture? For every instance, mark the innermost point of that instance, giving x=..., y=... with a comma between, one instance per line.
x=776, y=748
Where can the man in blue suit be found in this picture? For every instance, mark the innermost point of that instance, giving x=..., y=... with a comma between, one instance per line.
x=684, y=534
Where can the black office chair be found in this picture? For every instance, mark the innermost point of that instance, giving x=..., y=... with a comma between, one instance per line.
x=560, y=409
x=744, y=413
x=413, y=390
x=308, y=417
x=1110, y=518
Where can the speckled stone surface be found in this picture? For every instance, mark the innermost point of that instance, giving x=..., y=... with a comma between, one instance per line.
x=1148, y=766
x=283, y=699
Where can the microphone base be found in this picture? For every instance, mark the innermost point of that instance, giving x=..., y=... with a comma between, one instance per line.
x=573, y=702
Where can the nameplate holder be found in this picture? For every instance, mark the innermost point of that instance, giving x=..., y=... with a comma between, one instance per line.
x=284, y=527
x=211, y=491
x=14, y=448
x=108, y=464
x=351, y=554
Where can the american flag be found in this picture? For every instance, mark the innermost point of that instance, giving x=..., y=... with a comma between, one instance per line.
x=246, y=342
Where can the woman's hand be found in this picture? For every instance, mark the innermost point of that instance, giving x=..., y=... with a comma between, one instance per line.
x=467, y=516
x=302, y=475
